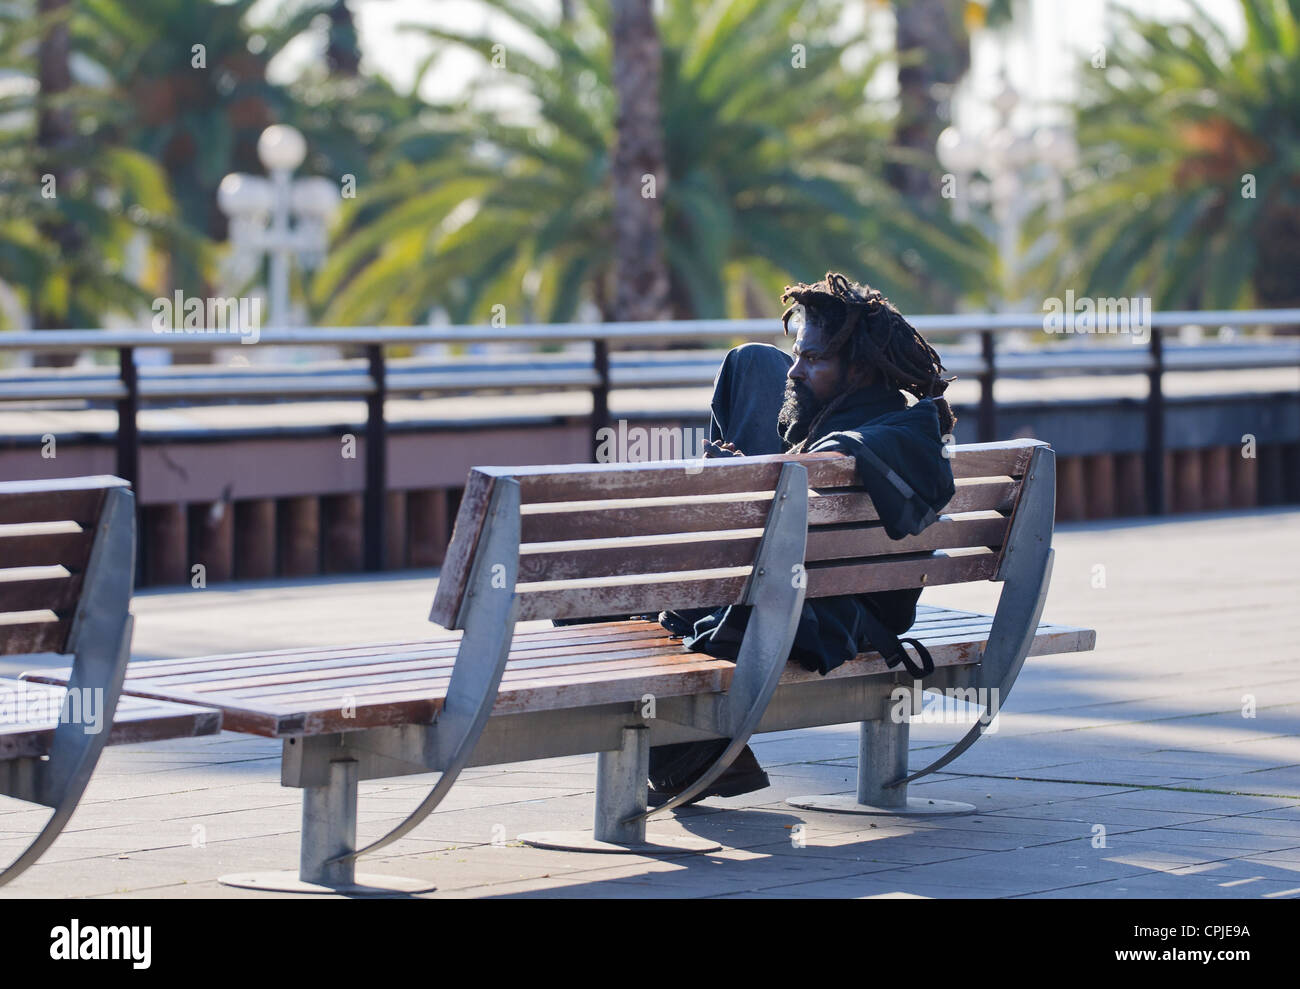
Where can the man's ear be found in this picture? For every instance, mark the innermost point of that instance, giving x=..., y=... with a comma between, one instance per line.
x=861, y=376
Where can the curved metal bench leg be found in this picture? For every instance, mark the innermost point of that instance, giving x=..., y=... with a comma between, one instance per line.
x=489, y=621
x=68, y=780
x=100, y=640
x=998, y=671
x=1026, y=572
x=776, y=592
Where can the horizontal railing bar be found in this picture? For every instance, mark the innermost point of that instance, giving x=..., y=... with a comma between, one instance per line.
x=162, y=382
x=949, y=323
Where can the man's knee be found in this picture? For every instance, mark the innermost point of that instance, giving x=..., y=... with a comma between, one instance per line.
x=749, y=358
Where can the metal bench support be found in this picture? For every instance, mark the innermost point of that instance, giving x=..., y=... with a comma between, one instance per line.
x=620, y=809
x=775, y=593
x=1026, y=571
x=327, y=862
x=100, y=640
x=329, y=850
x=882, y=758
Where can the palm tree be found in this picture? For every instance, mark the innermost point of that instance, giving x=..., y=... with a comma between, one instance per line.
x=343, y=50
x=73, y=200
x=934, y=53
x=1189, y=189
x=637, y=171
x=775, y=159
x=198, y=111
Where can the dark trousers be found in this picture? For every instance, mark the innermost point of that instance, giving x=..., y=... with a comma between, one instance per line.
x=747, y=396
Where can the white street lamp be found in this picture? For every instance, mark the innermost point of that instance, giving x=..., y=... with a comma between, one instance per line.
x=282, y=148
x=260, y=209
x=1004, y=155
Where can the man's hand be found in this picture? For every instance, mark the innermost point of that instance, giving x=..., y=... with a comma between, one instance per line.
x=715, y=449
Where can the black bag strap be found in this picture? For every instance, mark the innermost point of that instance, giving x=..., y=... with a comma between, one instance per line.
x=891, y=648
x=927, y=661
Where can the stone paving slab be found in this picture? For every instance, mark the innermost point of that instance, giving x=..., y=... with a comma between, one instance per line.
x=1146, y=736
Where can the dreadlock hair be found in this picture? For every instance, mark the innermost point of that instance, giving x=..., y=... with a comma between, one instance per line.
x=872, y=337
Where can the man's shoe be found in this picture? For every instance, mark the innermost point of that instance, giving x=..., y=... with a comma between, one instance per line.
x=681, y=623
x=744, y=775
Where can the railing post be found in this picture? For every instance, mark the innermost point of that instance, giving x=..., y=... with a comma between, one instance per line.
x=128, y=443
x=1155, y=455
x=988, y=412
x=376, y=461
x=600, y=392
x=128, y=432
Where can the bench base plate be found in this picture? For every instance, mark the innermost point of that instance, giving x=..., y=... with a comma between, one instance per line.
x=585, y=841
x=847, y=803
x=367, y=884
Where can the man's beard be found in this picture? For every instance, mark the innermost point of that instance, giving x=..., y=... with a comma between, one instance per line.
x=798, y=410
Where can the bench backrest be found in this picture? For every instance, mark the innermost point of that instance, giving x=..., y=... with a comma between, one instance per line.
x=607, y=539
x=48, y=531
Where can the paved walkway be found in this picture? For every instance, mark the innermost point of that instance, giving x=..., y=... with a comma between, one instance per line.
x=1164, y=764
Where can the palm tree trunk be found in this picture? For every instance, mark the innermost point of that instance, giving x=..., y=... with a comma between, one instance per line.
x=639, y=171
x=55, y=131
x=343, y=52
x=935, y=27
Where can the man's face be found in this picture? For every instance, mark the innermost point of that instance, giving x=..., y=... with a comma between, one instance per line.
x=814, y=379
x=818, y=370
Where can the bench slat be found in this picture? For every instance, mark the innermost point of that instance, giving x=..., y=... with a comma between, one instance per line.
x=953, y=637
x=71, y=549
x=137, y=719
x=605, y=520
x=705, y=589
x=460, y=552
x=32, y=631
x=569, y=482
x=54, y=501
x=54, y=592
x=629, y=599
x=534, y=681
x=342, y=673
x=623, y=557
x=891, y=573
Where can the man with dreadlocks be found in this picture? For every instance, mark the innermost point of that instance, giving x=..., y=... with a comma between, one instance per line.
x=843, y=390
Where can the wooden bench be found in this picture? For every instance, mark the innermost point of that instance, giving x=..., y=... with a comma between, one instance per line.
x=67, y=558
x=590, y=540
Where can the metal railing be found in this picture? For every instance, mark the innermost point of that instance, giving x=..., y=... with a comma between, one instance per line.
x=378, y=380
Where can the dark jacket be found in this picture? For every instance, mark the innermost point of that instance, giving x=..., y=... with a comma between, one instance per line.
x=900, y=460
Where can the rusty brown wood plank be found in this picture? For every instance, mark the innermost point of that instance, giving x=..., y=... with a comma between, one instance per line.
x=42, y=549
x=663, y=554
x=576, y=602
x=523, y=641
x=570, y=482
x=136, y=719
x=382, y=667
x=56, y=592
x=76, y=499
x=434, y=684
x=825, y=580
x=607, y=520
x=38, y=631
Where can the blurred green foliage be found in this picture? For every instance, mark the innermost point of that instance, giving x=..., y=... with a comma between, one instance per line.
x=1189, y=182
